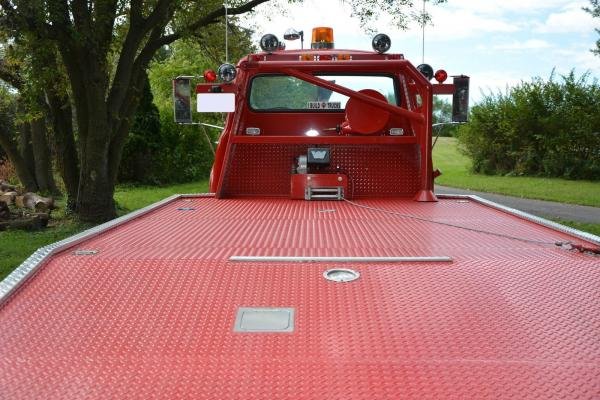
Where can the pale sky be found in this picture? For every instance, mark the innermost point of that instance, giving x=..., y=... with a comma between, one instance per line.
x=496, y=43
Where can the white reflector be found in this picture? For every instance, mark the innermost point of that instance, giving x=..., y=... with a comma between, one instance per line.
x=216, y=102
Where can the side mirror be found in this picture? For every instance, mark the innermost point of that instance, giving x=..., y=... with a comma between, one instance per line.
x=182, y=104
x=460, y=99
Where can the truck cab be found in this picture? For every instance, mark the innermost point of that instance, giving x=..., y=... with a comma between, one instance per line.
x=324, y=123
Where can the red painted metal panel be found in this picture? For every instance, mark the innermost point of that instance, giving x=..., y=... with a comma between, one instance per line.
x=217, y=88
x=443, y=88
x=297, y=124
x=325, y=140
x=151, y=315
x=373, y=170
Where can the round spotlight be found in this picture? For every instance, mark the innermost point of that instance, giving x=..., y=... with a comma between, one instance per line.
x=381, y=43
x=210, y=75
x=426, y=70
x=269, y=43
x=227, y=72
x=441, y=75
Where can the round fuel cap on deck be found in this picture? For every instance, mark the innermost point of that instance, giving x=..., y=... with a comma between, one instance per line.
x=341, y=275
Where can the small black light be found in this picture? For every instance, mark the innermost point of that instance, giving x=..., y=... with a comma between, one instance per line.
x=269, y=43
x=227, y=72
x=426, y=70
x=292, y=34
x=381, y=43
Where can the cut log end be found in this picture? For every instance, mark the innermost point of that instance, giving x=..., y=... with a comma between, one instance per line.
x=35, y=202
x=7, y=187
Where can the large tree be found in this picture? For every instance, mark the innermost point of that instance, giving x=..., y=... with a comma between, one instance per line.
x=105, y=47
x=595, y=11
x=106, y=81
x=24, y=134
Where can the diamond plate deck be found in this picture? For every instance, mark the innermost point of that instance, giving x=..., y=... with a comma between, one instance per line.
x=152, y=314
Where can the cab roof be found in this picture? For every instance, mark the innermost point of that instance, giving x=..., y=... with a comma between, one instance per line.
x=321, y=54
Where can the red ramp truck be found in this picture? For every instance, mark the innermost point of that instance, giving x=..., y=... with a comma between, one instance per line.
x=321, y=265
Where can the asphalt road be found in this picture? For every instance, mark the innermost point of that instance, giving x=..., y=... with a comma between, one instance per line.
x=541, y=208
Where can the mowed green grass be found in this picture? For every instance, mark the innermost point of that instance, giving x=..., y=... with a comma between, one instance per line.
x=455, y=169
x=131, y=198
x=17, y=245
x=582, y=226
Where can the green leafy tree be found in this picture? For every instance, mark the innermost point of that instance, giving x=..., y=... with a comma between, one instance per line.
x=186, y=152
x=442, y=117
x=401, y=11
x=25, y=137
x=105, y=47
x=547, y=128
x=594, y=10
x=144, y=143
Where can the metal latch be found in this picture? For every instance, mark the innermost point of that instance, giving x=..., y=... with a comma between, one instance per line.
x=324, y=193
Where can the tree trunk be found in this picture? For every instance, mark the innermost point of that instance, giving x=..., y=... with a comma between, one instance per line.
x=4, y=211
x=61, y=117
x=41, y=156
x=66, y=151
x=95, y=201
x=10, y=148
x=26, y=149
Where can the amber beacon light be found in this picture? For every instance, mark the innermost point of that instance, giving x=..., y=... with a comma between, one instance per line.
x=322, y=38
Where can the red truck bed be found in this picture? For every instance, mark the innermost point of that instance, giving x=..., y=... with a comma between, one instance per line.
x=152, y=313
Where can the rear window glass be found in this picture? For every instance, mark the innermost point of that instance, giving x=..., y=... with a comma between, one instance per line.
x=287, y=93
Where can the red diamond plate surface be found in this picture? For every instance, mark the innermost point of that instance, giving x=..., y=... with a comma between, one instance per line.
x=152, y=314
x=373, y=170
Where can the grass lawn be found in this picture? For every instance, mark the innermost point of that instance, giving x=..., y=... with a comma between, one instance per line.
x=17, y=245
x=131, y=198
x=455, y=173
x=582, y=226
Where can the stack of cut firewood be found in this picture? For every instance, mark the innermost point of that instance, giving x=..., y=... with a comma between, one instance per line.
x=23, y=210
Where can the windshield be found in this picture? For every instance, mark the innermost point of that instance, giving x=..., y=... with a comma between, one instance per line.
x=286, y=93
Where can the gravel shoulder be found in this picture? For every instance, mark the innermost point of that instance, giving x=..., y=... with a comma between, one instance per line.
x=541, y=208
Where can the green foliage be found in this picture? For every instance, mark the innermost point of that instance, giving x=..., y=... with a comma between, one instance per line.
x=281, y=92
x=8, y=110
x=400, y=11
x=594, y=10
x=442, y=113
x=144, y=144
x=185, y=152
x=545, y=128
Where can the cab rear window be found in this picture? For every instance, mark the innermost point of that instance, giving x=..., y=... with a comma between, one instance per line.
x=287, y=93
